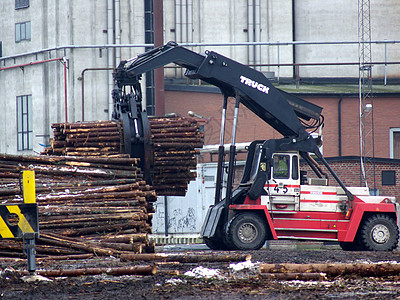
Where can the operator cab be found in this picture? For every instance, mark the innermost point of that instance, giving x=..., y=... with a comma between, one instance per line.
x=283, y=188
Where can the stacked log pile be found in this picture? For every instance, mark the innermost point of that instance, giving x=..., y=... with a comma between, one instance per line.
x=175, y=147
x=175, y=141
x=95, y=205
x=100, y=138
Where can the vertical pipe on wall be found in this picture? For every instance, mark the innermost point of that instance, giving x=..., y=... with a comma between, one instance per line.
x=184, y=21
x=117, y=26
x=159, y=97
x=294, y=37
x=178, y=28
x=340, y=125
x=110, y=56
x=257, y=33
x=250, y=29
x=189, y=7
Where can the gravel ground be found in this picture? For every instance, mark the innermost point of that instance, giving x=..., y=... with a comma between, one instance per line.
x=225, y=284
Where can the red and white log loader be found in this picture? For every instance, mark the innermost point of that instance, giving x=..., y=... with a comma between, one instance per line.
x=275, y=199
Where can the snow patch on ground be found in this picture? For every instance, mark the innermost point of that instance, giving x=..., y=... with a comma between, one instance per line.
x=174, y=281
x=247, y=265
x=201, y=272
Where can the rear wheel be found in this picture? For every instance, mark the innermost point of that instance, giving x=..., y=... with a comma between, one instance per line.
x=379, y=233
x=246, y=231
x=351, y=246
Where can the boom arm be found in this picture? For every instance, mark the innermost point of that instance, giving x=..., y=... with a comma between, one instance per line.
x=280, y=110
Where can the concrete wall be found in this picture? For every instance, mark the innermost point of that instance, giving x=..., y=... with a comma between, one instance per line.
x=73, y=22
x=60, y=23
x=338, y=20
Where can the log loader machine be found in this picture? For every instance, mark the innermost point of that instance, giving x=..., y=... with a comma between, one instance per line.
x=275, y=199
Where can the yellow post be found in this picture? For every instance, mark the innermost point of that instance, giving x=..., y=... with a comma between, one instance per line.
x=28, y=185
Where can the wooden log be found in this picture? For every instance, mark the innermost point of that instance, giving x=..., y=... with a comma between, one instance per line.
x=332, y=269
x=66, y=257
x=127, y=238
x=294, y=276
x=135, y=247
x=178, y=145
x=173, y=130
x=89, y=130
x=99, y=229
x=76, y=245
x=116, y=271
x=185, y=258
x=95, y=124
x=90, y=219
x=98, y=144
x=84, y=140
x=100, y=154
x=101, y=195
x=93, y=134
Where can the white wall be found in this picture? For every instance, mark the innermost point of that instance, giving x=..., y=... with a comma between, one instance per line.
x=73, y=22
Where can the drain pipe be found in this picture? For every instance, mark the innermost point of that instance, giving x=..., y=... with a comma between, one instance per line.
x=340, y=124
x=159, y=87
x=257, y=33
x=117, y=28
x=110, y=56
x=294, y=39
x=65, y=62
x=83, y=86
x=250, y=30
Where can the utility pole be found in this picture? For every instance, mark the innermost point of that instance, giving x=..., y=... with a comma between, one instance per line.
x=367, y=151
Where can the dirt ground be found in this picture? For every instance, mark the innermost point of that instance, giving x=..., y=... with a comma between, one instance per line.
x=227, y=284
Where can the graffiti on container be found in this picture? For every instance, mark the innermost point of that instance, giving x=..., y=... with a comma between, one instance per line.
x=187, y=223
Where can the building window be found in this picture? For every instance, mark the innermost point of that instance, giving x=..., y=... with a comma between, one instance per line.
x=21, y=4
x=394, y=139
x=388, y=177
x=24, y=123
x=23, y=31
x=1, y=49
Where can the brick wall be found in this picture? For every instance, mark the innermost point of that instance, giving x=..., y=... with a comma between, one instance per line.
x=251, y=127
x=348, y=170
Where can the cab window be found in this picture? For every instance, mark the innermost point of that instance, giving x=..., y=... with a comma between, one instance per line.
x=295, y=167
x=281, y=166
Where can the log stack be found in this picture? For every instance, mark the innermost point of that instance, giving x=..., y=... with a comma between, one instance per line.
x=175, y=147
x=97, y=205
x=175, y=143
x=100, y=138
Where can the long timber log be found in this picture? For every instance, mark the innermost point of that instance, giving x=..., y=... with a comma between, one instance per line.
x=185, y=258
x=117, y=271
x=334, y=269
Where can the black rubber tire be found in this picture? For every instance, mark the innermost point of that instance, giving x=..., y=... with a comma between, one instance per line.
x=351, y=246
x=379, y=233
x=214, y=244
x=246, y=231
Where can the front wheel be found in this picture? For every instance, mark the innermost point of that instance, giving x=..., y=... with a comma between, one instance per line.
x=214, y=244
x=379, y=233
x=246, y=231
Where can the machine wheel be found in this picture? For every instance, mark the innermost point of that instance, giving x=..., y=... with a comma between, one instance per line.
x=214, y=244
x=246, y=231
x=379, y=233
x=351, y=246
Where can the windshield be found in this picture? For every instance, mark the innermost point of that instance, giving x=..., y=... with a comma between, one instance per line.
x=281, y=166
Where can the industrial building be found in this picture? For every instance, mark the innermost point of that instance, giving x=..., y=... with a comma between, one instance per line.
x=34, y=33
x=56, y=61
